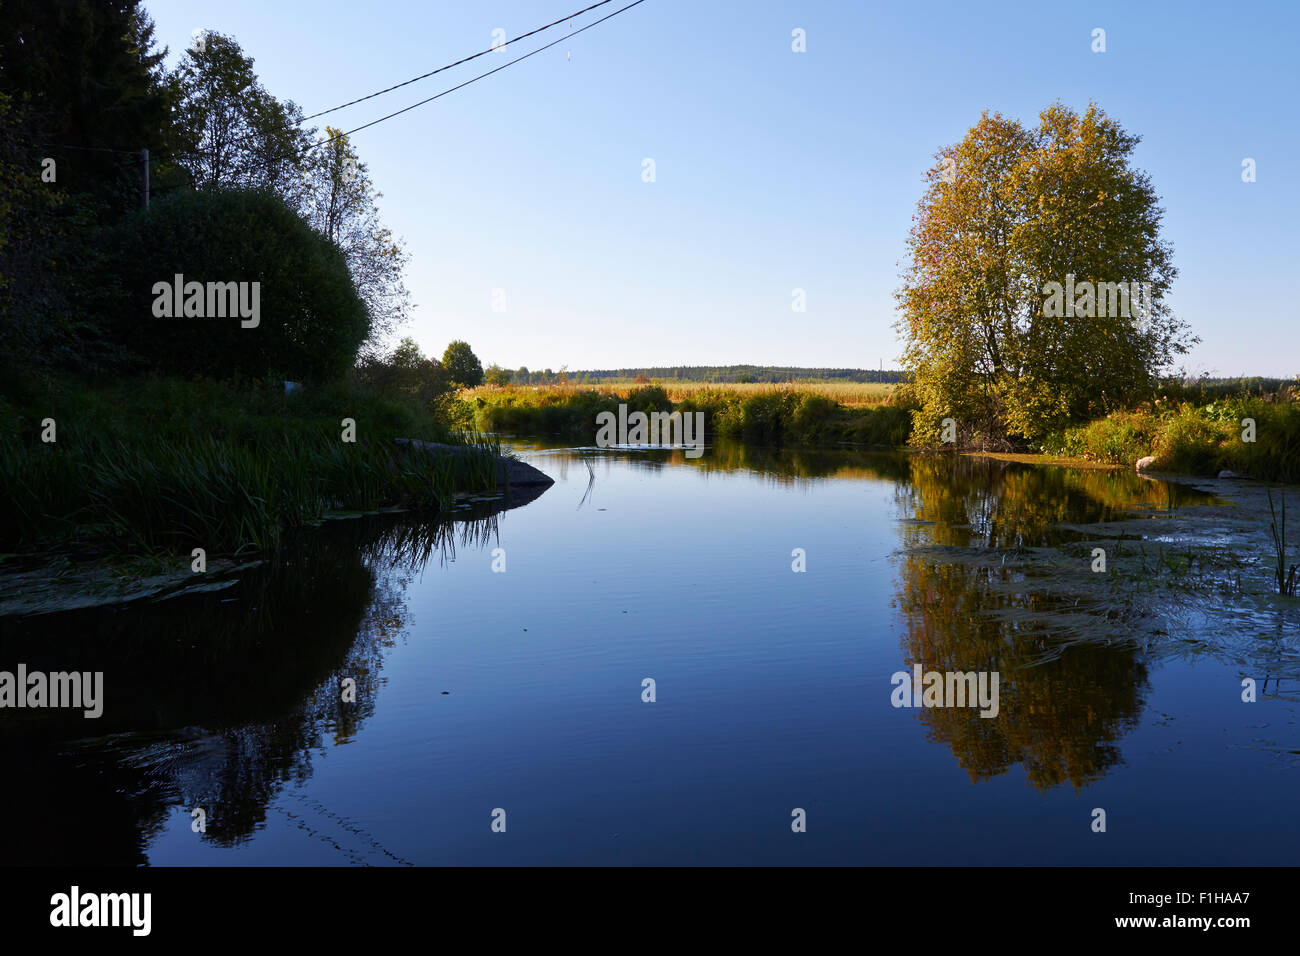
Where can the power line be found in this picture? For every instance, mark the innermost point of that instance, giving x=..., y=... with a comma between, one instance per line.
x=441, y=69
x=453, y=89
x=240, y=139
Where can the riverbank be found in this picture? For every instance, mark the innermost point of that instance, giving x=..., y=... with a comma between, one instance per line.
x=775, y=415
x=1252, y=435
x=162, y=466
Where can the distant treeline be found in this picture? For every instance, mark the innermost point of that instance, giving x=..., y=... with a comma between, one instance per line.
x=1207, y=389
x=710, y=373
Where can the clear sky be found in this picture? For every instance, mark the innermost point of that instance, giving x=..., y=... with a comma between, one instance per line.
x=774, y=170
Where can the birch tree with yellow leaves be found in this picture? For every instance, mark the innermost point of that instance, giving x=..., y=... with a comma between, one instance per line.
x=1007, y=213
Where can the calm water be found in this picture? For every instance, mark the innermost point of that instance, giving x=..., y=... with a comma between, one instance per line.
x=522, y=690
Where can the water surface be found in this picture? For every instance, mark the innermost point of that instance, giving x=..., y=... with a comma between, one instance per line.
x=521, y=689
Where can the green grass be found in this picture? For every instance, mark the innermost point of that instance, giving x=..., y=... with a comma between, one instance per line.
x=775, y=416
x=848, y=394
x=168, y=465
x=1185, y=437
x=1196, y=440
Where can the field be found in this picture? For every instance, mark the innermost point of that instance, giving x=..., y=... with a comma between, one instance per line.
x=848, y=394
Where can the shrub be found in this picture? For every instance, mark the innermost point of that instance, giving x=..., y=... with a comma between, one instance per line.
x=651, y=399
x=1192, y=440
x=765, y=418
x=1118, y=439
x=816, y=420
x=1275, y=453
x=311, y=320
x=1188, y=442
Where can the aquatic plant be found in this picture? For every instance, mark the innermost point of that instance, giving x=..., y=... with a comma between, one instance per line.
x=1286, y=580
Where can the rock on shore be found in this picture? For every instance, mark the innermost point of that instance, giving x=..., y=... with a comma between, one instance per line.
x=510, y=471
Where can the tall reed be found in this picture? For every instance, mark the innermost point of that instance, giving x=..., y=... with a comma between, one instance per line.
x=1286, y=580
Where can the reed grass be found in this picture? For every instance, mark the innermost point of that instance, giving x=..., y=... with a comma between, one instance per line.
x=1286, y=580
x=773, y=415
x=848, y=394
x=232, y=477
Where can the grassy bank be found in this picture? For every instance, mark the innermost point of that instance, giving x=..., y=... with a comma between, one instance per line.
x=762, y=414
x=164, y=465
x=1196, y=440
x=849, y=394
x=1190, y=430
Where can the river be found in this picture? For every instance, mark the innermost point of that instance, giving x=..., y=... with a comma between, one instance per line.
x=665, y=660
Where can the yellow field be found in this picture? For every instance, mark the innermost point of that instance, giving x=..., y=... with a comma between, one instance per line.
x=850, y=394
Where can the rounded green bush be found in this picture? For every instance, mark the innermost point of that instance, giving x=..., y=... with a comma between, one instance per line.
x=309, y=322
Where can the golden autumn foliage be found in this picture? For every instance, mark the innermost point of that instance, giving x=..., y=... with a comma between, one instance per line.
x=1006, y=211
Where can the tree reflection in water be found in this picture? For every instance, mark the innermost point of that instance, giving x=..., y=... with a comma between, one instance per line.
x=1068, y=694
x=216, y=700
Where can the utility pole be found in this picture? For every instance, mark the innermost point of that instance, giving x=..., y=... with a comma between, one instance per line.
x=144, y=158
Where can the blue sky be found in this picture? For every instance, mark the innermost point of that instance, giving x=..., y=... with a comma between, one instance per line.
x=774, y=170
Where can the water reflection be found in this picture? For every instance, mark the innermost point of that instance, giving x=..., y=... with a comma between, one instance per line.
x=986, y=583
x=227, y=700
x=212, y=701
x=778, y=466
